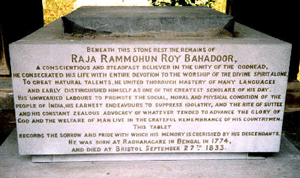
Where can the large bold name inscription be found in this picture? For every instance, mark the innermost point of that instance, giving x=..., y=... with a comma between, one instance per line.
x=142, y=98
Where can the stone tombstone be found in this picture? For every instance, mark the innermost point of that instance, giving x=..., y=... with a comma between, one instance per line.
x=158, y=80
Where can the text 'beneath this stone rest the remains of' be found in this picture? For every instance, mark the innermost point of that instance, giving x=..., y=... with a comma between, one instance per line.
x=110, y=94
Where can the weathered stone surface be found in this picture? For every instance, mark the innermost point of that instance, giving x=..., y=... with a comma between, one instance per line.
x=283, y=164
x=238, y=91
x=133, y=20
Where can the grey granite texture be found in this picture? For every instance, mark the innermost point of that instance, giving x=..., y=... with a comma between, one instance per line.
x=133, y=20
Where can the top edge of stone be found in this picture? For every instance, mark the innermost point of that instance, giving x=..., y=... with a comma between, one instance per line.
x=143, y=19
x=53, y=34
x=127, y=11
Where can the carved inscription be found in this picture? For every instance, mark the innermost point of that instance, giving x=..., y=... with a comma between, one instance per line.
x=148, y=99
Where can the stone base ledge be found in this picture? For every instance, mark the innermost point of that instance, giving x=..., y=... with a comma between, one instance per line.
x=142, y=157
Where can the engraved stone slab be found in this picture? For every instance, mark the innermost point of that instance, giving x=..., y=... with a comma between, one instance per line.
x=133, y=95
